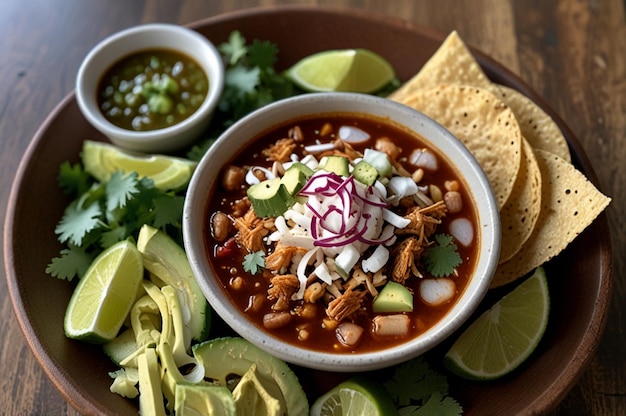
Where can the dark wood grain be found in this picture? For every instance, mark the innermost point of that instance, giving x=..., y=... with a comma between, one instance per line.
x=572, y=52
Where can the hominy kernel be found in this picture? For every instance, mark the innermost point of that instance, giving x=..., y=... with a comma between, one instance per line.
x=435, y=193
x=451, y=185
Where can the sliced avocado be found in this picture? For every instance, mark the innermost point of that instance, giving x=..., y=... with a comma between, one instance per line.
x=294, y=179
x=270, y=198
x=170, y=374
x=259, y=395
x=203, y=399
x=394, y=297
x=365, y=173
x=379, y=160
x=336, y=164
x=167, y=260
x=121, y=346
x=225, y=357
x=150, y=393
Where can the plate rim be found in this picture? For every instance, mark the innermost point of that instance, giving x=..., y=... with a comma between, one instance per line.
x=540, y=404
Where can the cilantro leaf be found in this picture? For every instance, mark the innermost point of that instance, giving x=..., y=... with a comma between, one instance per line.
x=77, y=221
x=442, y=258
x=254, y=261
x=73, y=262
x=437, y=404
x=418, y=390
x=241, y=81
x=120, y=189
x=235, y=48
x=167, y=210
x=262, y=54
x=415, y=381
x=72, y=179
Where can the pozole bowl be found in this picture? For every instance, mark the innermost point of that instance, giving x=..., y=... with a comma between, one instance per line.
x=151, y=88
x=221, y=273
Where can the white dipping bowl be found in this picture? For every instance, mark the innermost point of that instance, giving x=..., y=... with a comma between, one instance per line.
x=235, y=140
x=140, y=38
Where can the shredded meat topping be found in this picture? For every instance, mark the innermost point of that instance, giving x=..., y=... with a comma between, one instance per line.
x=345, y=305
x=281, y=150
x=424, y=221
x=281, y=258
x=250, y=231
x=405, y=258
x=282, y=288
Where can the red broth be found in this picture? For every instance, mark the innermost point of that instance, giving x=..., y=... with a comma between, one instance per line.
x=309, y=326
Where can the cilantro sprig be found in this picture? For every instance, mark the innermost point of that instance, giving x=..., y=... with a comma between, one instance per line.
x=418, y=390
x=442, y=258
x=103, y=213
x=251, y=81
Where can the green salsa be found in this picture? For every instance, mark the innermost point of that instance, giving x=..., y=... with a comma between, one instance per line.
x=152, y=89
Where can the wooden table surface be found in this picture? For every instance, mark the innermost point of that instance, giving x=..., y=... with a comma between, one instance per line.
x=572, y=52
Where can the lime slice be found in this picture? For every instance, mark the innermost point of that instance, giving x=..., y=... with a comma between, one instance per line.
x=505, y=335
x=355, y=397
x=105, y=294
x=348, y=70
x=168, y=172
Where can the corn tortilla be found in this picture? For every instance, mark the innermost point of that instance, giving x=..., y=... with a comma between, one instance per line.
x=519, y=215
x=486, y=126
x=536, y=125
x=452, y=63
x=570, y=203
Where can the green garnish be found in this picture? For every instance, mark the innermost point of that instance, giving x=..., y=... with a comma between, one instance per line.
x=251, y=81
x=253, y=262
x=417, y=389
x=104, y=213
x=442, y=258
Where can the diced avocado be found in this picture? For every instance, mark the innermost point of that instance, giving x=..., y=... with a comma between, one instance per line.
x=394, y=297
x=308, y=172
x=365, y=173
x=150, y=393
x=379, y=160
x=336, y=164
x=203, y=399
x=225, y=357
x=294, y=179
x=166, y=259
x=257, y=394
x=270, y=198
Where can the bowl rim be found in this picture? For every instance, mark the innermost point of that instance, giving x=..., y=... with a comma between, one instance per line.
x=485, y=206
x=209, y=59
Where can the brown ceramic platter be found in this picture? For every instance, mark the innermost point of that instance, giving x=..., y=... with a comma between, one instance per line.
x=580, y=278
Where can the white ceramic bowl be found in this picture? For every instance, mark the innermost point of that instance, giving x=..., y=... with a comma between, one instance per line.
x=236, y=138
x=143, y=37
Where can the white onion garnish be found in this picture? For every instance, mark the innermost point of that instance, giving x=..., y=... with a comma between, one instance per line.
x=462, y=230
x=423, y=158
x=376, y=261
x=352, y=134
x=402, y=186
x=318, y=148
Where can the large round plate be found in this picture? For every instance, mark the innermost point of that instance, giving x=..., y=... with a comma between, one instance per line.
x=580, y=278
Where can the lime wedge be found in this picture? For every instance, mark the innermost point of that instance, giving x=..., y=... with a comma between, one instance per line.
x=348, y=70
x=355, y=397
x=168, y=172
x=505, y=335
x=105, y=294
